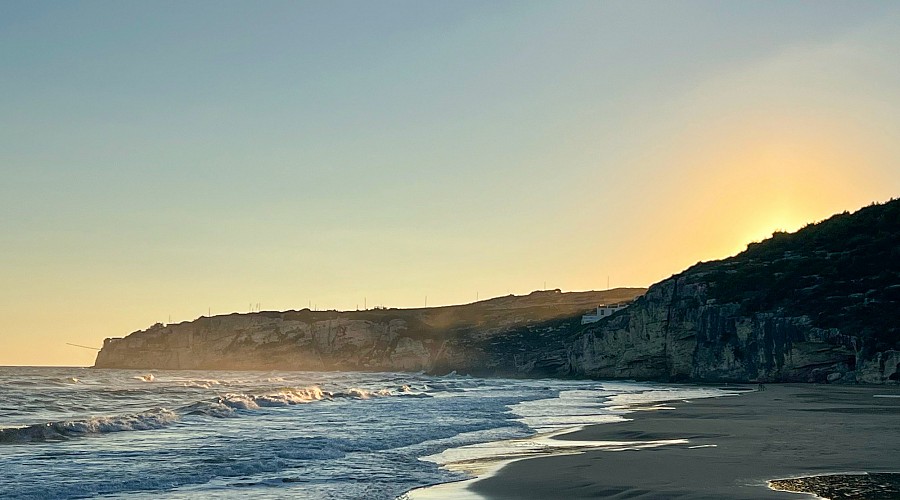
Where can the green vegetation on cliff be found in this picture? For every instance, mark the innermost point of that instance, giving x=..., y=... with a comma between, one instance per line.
x=818, y=305
x=842, y=273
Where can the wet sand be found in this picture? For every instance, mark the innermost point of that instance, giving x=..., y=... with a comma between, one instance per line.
x=735, y=444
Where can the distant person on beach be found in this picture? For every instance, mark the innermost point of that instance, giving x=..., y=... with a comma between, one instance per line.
x=761, y=387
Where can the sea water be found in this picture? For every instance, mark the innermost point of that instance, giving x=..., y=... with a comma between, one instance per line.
x=78, y=432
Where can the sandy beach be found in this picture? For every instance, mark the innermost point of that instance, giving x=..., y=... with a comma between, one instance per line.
x=735, y=445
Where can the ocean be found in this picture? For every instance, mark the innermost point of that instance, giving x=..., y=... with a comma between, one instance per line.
x=79, y=432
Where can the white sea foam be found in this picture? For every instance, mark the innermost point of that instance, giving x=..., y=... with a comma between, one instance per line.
x=291, y=396
x=358, y=393
x=202, y=384
x=153, y=419
x=571, y=410
x=226, y=405
x=55, y=431
x=298, y=435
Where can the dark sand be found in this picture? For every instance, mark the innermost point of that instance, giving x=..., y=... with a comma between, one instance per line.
x=784, y=431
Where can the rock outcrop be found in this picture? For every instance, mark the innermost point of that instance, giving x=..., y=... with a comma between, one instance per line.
x=819, y=305
x=439, y=339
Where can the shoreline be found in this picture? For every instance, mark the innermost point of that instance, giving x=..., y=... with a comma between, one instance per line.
x=483, y=460
x=735, y=444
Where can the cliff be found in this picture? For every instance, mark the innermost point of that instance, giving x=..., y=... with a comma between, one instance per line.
x=818, y=305
x=438, y=339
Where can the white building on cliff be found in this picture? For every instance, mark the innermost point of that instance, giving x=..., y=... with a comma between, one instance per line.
x=603, y=310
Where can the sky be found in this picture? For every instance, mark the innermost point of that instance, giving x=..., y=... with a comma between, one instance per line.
x=166, y=160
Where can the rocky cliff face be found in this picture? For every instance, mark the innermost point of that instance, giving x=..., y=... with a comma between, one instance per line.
x=438, y=339
x=676, y=332
x=819, y=305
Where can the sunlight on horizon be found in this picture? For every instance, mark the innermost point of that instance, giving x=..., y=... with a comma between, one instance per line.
x=327, y=157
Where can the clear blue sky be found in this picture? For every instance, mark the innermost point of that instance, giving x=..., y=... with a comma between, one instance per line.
x=166, y=158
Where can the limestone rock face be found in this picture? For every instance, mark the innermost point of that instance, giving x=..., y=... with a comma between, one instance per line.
x=675, y=333
x=819, y=305
x=440, y=339
x=267, y=341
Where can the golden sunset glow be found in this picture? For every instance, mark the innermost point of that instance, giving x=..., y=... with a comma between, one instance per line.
x=475, y=152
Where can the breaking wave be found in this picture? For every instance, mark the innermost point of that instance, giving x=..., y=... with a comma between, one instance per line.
x=229, y=404
x=58, y=431
x=225, y=406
